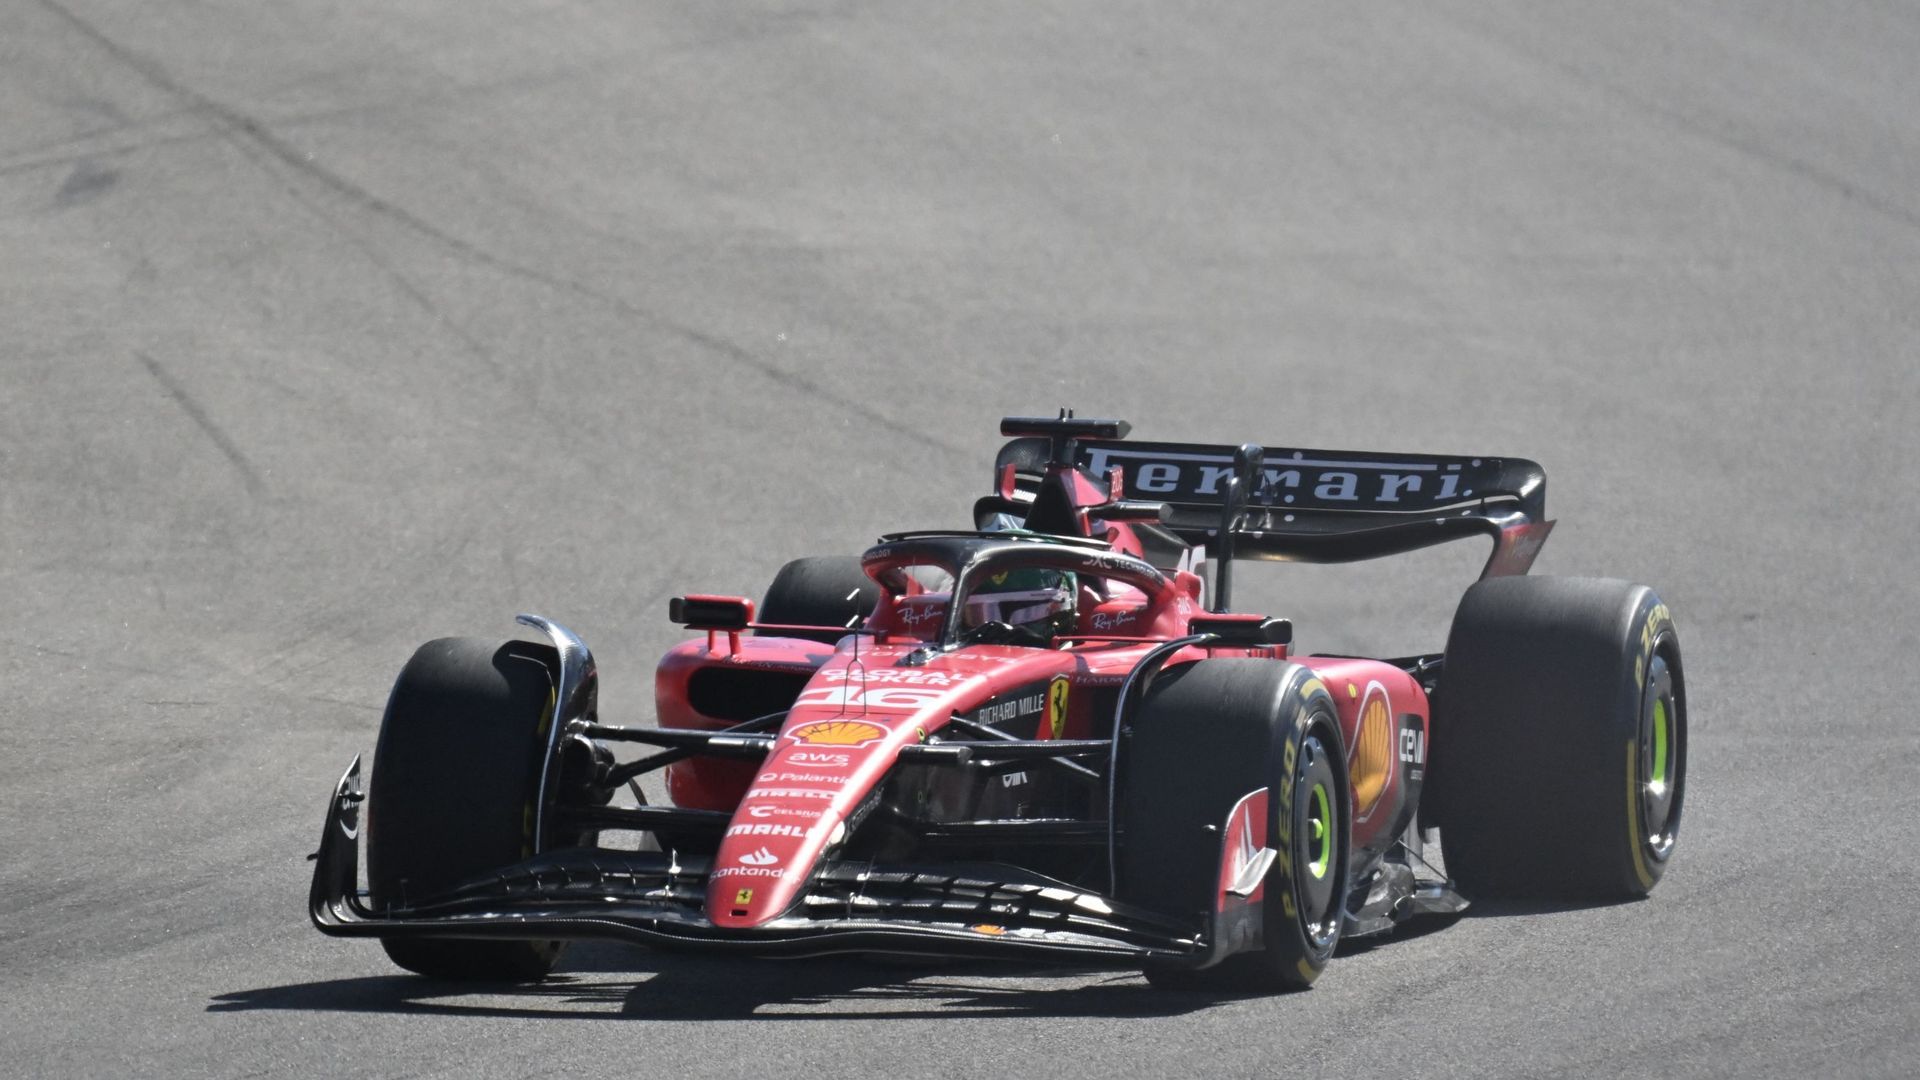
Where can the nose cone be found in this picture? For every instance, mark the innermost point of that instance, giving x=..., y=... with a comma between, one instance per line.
x=844, y=732
x=807, y=787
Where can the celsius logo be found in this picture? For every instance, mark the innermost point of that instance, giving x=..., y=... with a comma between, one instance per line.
x=759, y=858
x=783, y=811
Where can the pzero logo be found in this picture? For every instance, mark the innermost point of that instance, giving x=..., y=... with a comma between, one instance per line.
x=837, y=733
x=762, y=857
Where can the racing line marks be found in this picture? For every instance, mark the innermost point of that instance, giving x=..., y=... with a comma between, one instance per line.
x=234, y=455
x=244, y=131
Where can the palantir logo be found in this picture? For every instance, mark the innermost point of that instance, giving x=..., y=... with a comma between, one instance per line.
x=760, y=858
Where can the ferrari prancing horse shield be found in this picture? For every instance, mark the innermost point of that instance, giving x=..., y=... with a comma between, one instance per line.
x=1057, y=706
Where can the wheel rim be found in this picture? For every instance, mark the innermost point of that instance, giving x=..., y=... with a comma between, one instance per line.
x=1662, y=777
x=1317, y=860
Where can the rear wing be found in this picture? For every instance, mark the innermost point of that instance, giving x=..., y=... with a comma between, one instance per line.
x=1319, y=506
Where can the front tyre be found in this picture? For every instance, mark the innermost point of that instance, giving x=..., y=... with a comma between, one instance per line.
x=456, y=776
x=1206, y=735
x=1560, y=740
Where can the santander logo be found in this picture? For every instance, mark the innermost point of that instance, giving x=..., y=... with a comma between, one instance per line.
x=760, y=858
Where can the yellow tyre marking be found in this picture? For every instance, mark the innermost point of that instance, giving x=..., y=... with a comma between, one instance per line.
x=1307, y=971
x=1312, y=687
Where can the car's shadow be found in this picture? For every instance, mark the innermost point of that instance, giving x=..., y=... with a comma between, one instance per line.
x=667, y=986
x=1507, y=909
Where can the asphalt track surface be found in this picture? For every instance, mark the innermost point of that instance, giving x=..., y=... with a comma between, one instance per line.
x=327, y=328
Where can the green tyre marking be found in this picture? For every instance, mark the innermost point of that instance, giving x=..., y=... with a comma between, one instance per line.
x=1660, y=741
x=1318, y=822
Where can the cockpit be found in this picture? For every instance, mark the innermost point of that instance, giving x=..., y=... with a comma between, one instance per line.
x=958, y=589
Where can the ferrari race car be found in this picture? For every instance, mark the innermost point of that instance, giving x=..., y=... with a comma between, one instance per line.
x=1049, y=737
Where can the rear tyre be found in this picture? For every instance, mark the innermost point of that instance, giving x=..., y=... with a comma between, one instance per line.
x=1559, y=740
x=456, y=776
x=824, y=591
x=1206, y=735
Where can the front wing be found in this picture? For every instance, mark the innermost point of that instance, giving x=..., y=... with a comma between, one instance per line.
x=656, y=899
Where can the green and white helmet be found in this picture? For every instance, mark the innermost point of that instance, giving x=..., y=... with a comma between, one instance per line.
x=1041, y=602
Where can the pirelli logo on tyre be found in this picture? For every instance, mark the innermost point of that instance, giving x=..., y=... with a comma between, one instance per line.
x=1649, y=633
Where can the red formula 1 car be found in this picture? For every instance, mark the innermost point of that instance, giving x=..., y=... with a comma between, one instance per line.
x=1046, y=738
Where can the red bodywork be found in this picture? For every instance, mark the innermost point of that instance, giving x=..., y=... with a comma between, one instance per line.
x=862, y=702
x=893, y=810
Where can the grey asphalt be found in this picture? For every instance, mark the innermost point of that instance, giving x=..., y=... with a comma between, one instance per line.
x=327, y=328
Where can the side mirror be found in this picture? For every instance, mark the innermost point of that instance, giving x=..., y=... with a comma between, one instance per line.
x=729, y=613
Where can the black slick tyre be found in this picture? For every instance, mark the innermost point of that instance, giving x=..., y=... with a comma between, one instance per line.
x=1207, y=734
x=456, y=775
x=1559, y=743
x=823, y=591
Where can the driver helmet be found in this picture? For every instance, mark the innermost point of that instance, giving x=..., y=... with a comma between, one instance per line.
x=1042, y=602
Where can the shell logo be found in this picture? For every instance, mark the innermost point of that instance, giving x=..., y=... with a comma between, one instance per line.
x=1372, y=750
x=836, y=733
